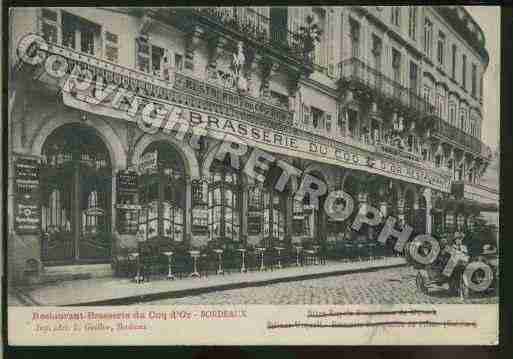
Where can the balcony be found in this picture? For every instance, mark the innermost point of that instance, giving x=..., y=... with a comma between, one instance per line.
x=451, y=134
x=357, y=75
x=245, y=24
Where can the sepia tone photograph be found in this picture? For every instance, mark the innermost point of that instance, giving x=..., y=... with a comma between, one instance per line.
x=238, y=156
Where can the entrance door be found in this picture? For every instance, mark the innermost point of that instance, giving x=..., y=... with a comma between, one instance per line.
x=76, y=185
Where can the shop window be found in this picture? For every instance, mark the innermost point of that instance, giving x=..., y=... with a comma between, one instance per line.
x=163, y=195
x=274, y=215
x=300, y=220
x=255, y=210
x=76, y=181
x=224, y=202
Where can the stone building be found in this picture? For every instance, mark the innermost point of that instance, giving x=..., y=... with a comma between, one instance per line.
x=382, y=102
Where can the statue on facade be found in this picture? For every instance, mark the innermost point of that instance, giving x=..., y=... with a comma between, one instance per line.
x=238, y=63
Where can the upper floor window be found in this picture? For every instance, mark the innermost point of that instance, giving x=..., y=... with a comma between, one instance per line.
x=428, y=37
x=317, y=118
x=49, y=25
x=80, y=34
x=464, y=71
x=149, y=56
x=474, y=80
x=441, y=48
x=111, y=47
x=453, y=66
x=355, y=38
x=396, y=16
x=481, y=86
x=452, y=113
x=396, y=65
x=376, y=51
x=412, y=23
x=414, y=74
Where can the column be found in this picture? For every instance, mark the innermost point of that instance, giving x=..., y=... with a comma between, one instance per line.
x=244, y=214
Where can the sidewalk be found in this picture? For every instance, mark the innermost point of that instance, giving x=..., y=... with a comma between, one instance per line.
x=119, y=291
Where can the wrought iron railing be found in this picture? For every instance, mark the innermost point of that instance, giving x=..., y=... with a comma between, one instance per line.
x=356, y=71
x=257, y=27
x=447, y=131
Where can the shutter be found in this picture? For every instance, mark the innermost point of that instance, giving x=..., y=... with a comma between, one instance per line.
x=111, y=46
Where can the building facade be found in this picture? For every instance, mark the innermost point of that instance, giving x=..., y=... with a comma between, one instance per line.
x=382, y=102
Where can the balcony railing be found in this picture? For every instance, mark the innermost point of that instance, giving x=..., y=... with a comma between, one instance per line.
x=355, y=71
x=251, y=24
x=447, y=131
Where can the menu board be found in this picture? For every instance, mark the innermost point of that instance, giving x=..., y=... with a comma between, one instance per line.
x=27, y=218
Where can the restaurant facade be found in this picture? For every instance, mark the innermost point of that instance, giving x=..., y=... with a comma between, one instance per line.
x=384, y=103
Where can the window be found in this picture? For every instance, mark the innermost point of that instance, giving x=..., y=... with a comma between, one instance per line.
x=162, y=195
x=224, y=202
x=149, y=57
x=49, y=25
x=355, y=38
x=300, y=222
x=255, y=210
x=474, y=80
x=111, y=46
x=80, y=34
x=321, y=46
x=464, y=71
x=412, y=23
x=76, y=195
x=396, y=16
x=481, y=87
x=377, y=46
x=453, y=71
x=441, y=48
x=452, y=113
x=414, y=73
x=353, y=123
x=428, y=37
x=274, y=214
x=396, y=66
x=317, y=118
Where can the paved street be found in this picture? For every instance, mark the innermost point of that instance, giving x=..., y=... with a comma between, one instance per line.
x=386, y=286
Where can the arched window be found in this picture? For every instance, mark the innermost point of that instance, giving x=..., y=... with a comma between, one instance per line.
x=224, y=202
x=162, y=194
x=76, y=180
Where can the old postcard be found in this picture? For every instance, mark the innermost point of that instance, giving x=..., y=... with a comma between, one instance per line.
x=253, y=175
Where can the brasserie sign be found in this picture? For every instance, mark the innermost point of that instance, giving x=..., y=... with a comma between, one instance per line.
x=276, y=141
